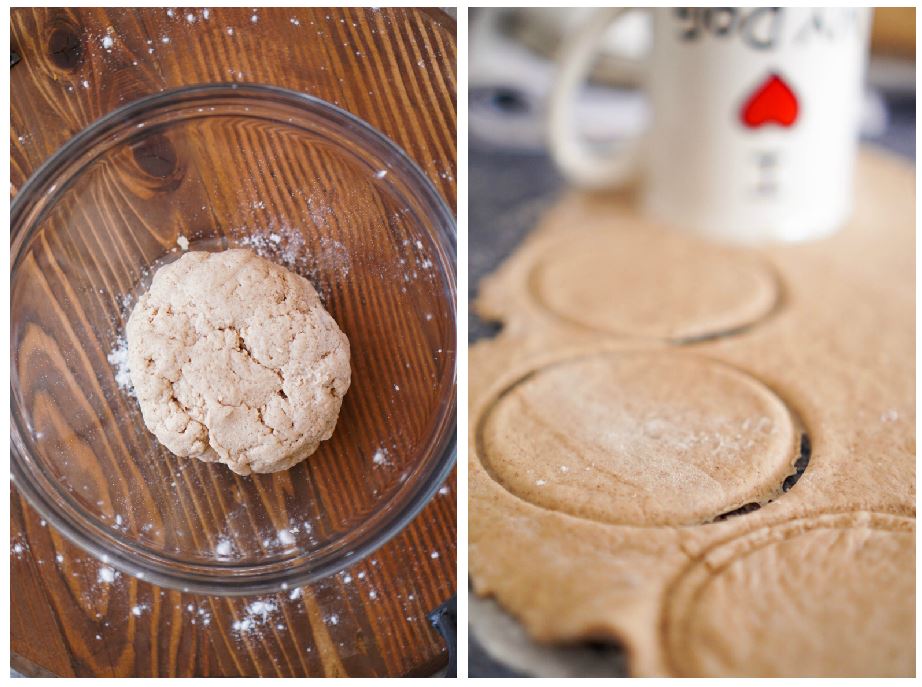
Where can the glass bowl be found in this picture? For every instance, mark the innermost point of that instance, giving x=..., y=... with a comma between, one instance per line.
x=305, y=184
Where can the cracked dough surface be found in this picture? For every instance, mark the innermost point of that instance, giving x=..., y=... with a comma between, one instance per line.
x=235, y=360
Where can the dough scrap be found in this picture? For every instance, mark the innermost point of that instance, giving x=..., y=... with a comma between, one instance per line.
x=235, y=360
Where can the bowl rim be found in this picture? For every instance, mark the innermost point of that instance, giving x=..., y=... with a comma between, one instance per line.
x=247, y=583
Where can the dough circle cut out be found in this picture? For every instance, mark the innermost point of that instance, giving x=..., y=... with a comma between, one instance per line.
x=827, y=596
x=680, y=289
x=639, y=438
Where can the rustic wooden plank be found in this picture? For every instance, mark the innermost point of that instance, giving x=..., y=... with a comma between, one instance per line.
x=395, y=68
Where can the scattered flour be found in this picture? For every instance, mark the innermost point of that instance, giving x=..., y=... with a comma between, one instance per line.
x=182, y=242
x=262, y=608
x=223, y=548
x=107, y=576
x=380, y=457
x=324, y=261
x=118, y=359
x=286, y=538
x=244, y=625
x=257, y=615
x=107, y=42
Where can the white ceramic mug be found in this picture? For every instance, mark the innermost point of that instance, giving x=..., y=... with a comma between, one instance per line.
x=755, y=115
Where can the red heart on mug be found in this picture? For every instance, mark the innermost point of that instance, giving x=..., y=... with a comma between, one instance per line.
x=773, y=102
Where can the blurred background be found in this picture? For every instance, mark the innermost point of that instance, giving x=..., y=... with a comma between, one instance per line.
x=513, y=182
x=511, y=67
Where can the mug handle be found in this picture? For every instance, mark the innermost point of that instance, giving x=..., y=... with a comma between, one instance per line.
x=580, y=164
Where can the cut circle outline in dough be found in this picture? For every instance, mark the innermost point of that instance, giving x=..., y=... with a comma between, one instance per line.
x=685, y=595
x=708, y=292
x=526, y=482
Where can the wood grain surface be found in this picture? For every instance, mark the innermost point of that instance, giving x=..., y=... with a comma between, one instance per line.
x=394, y=68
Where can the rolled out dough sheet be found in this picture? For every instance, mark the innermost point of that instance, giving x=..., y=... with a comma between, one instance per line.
x=647, y=385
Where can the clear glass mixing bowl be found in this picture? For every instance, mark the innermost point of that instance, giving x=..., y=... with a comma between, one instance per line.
x=303, y=183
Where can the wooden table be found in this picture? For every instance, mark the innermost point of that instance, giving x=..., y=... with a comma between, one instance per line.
x=79, y=64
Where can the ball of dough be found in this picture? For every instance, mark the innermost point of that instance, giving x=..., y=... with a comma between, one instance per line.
x=234, y=359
